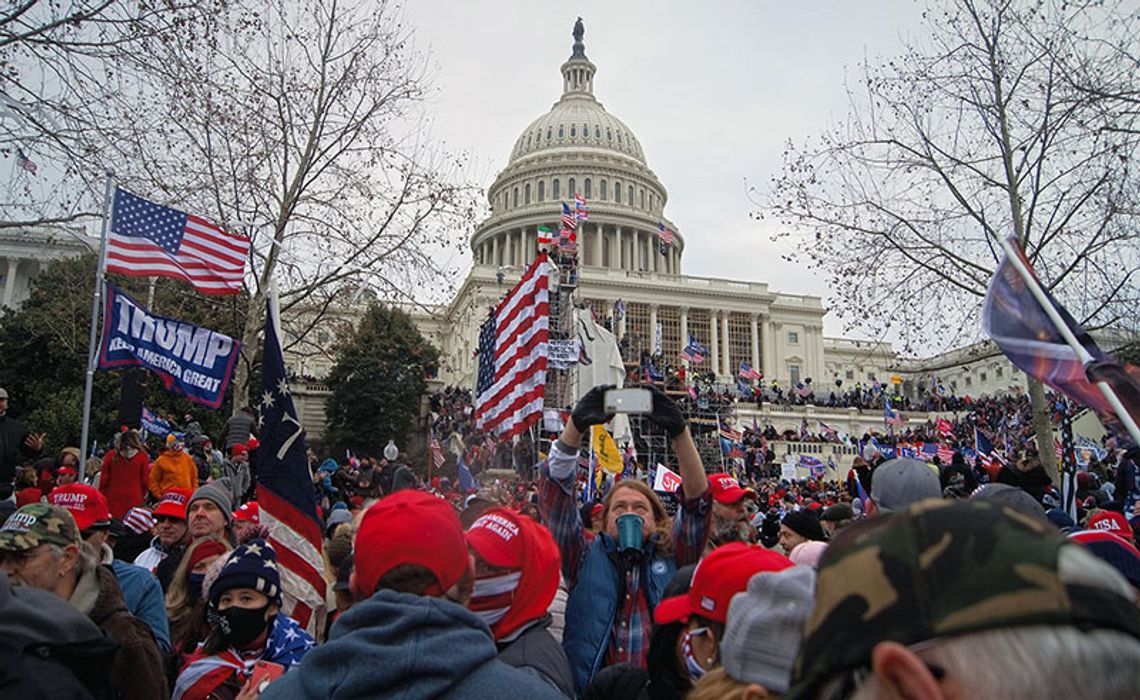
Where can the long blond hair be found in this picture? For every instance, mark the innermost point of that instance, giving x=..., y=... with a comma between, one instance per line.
x=717, y=685
x=664, y=524
x=178, y=603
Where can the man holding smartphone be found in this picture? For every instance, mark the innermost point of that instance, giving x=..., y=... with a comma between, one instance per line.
x=617, y=580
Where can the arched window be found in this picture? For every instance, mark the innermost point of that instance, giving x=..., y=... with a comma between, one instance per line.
x=526, y=193
x=589, y=192
x=549, y=132
x=561, y=131
x=642, y=196
x=542, y=190
x=573, y=131
x=630, y=200
x=557, y=188
x=602, y=190
x=619, y=138
x=572, y=189
x=528, y=137
x=609, y=135
x=516, y=200
x=617, y=192
x=597, y=133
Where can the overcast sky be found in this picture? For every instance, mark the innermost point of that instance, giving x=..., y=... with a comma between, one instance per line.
x=712, y=89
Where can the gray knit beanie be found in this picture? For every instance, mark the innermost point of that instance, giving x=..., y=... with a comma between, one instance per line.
x=217, y=491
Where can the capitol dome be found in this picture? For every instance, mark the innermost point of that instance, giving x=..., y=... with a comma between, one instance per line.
x=578, y=148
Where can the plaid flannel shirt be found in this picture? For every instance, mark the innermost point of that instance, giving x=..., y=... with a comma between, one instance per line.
x=629, y=641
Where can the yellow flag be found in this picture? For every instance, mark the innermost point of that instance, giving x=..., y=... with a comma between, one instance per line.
x=606, y=451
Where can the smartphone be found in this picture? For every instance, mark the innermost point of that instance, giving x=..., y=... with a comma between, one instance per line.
x=264, y=673
x=628, y=401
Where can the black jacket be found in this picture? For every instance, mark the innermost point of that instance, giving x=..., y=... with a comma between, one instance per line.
x=12, y=448
x=536, y=649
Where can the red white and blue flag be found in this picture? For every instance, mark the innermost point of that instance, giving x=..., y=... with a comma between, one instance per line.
x=580, y=211
x=285, y=487
x=511, y=384
x=747, y=371
x=694, y=351
x=985, y=450
x=945, y=429
x=569, y=219
x=148, y=240
x=664, y=234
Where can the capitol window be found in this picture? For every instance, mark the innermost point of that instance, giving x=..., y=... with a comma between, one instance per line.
x=542, y=190
x=516, y=199
x=549, y=132
x=850, y=374
x=572, y=189
x=528, y=137
x=629, y=201
x=642, y=199
x=602, y=190
x=619, y=138
x=561, y=132
x=794, y=373
x=586, y=185
x=617, y=192
x=573, y=131
x=793, y=338
x=557, y=192
x=597, y=133
x=526, y=194
x=609, y=135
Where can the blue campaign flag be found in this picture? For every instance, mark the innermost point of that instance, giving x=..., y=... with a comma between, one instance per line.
x=154, y=424
x=190, y=360
x=467, y=482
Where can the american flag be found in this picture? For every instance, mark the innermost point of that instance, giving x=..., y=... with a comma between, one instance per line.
x=580, y=210
x=151, y=240
x=569, y=220
x=729, y=433
x=945, y=454
x=985, y=450
x=511, y=384
x=747, y=371
x=285, y=488
x=945, y=429
x=664, y=234
x=693, y=352
x=437, y=458
x=890, y=415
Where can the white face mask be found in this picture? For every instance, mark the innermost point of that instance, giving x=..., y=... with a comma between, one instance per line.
x=129, y=452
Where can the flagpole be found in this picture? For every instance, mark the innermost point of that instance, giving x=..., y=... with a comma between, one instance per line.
x=1070, y=338
x=95, y=298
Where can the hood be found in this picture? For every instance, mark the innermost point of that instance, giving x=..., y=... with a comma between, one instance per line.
x=97, y=594
x=391, y=646
x=538, y=583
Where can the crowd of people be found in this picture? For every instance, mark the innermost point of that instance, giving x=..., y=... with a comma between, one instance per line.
x=157, y=579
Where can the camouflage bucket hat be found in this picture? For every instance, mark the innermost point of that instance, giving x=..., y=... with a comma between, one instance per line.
x=36, y=524
x=943, y=568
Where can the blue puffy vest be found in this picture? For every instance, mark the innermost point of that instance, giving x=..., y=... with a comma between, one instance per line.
x=593, y=604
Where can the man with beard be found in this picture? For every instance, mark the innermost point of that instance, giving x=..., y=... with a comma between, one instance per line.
x=730, y=516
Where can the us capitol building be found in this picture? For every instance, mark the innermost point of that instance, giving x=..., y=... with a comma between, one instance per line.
x=579, y=147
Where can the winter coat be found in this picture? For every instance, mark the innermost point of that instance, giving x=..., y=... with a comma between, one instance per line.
x=144, y=599
x=238, y=475
x=124, y=481
x=408, y=646
x=238, y=429
x=536, y=649
x=593, y=604
x=172, y=469
x=12, y=448
x=137, y=671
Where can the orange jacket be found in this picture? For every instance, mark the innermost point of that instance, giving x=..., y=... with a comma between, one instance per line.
x=172, y=469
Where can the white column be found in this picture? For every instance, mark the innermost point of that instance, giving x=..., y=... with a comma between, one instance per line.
x=620, y=248
x=768, y=356
x=522, y=247
x=495, y=250
x=651, y=249
x=684, y=330
x=755, y=332
x=653, y=349
x=597, y=245
x=726, y=363
x=714, y=347
x=13, y=268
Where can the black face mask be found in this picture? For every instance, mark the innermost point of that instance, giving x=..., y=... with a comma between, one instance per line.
x=243, y=625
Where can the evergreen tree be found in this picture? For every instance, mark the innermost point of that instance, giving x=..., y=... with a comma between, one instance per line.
x=377, y=382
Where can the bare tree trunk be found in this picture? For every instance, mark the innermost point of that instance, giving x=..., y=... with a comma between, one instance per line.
x=1043, y=430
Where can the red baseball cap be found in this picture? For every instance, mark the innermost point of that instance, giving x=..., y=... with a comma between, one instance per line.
x=249, y=512
x=497, y=539
x=1111, y=521
x=409, y=527
x=723, y=573
x=87, y=505
x=67, y=470
x=239, y=449
x=726, y=489
x=173, y=503
x=252, y=444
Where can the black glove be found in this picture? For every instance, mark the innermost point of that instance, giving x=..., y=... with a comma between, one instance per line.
x=770, y=530
x=591, y=408
x=666, y=414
